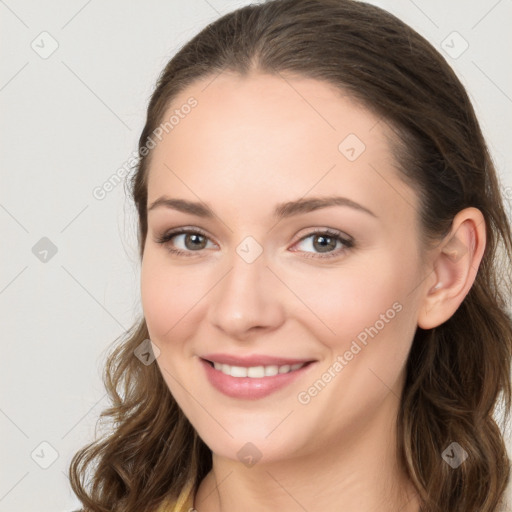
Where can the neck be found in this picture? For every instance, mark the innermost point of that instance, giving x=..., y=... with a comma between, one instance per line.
x=358, y=473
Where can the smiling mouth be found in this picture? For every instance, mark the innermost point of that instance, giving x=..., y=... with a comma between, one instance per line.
x=256, y=381
x=256, y=372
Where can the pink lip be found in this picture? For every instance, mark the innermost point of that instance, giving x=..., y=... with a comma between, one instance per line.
x=253, y=360
x=248, y=388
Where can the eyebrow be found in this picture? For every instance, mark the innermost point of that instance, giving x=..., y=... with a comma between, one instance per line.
x=281, y=211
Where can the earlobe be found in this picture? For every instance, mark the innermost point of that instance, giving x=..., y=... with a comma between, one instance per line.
x=455, y=266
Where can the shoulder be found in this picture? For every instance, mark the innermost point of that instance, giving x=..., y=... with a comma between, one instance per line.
x=184, y=503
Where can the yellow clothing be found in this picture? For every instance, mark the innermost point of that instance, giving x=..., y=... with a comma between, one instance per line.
x=184, y=503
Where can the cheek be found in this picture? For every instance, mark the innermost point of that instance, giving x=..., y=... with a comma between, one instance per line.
x=170, y=297
x=365, y=313
x=346, y=301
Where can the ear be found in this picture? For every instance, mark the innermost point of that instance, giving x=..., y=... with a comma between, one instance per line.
x=455, y=266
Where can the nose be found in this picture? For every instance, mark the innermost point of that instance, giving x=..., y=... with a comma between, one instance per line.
x=247, y=300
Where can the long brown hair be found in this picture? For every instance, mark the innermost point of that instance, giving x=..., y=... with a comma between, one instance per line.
x=457, y=373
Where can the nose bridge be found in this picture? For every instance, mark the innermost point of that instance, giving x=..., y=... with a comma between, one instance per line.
x=246, y=297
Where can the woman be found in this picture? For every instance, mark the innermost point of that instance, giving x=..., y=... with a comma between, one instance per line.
x=325, y=313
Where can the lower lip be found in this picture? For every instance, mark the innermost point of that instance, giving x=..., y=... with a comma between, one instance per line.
x=249, y=388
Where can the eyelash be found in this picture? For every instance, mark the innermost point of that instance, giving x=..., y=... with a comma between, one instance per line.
x=347, y=242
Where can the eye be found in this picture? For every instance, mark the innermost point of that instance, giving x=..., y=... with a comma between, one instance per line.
x=192, y=240
x=329, y=243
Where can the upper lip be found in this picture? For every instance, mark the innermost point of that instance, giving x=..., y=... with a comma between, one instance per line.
x=252, y=360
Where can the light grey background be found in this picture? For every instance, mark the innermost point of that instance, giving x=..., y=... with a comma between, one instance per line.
x=69, y=121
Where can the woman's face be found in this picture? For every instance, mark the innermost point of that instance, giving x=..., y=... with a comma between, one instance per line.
x=278, y=275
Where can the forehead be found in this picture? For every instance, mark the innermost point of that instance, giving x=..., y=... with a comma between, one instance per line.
x=264, y=138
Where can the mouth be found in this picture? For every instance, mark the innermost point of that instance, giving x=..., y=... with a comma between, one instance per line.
x=253, y=381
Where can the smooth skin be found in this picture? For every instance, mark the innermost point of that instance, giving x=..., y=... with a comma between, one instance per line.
x=250, y=144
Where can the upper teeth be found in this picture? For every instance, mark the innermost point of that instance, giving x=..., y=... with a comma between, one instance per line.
x=256, y=371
